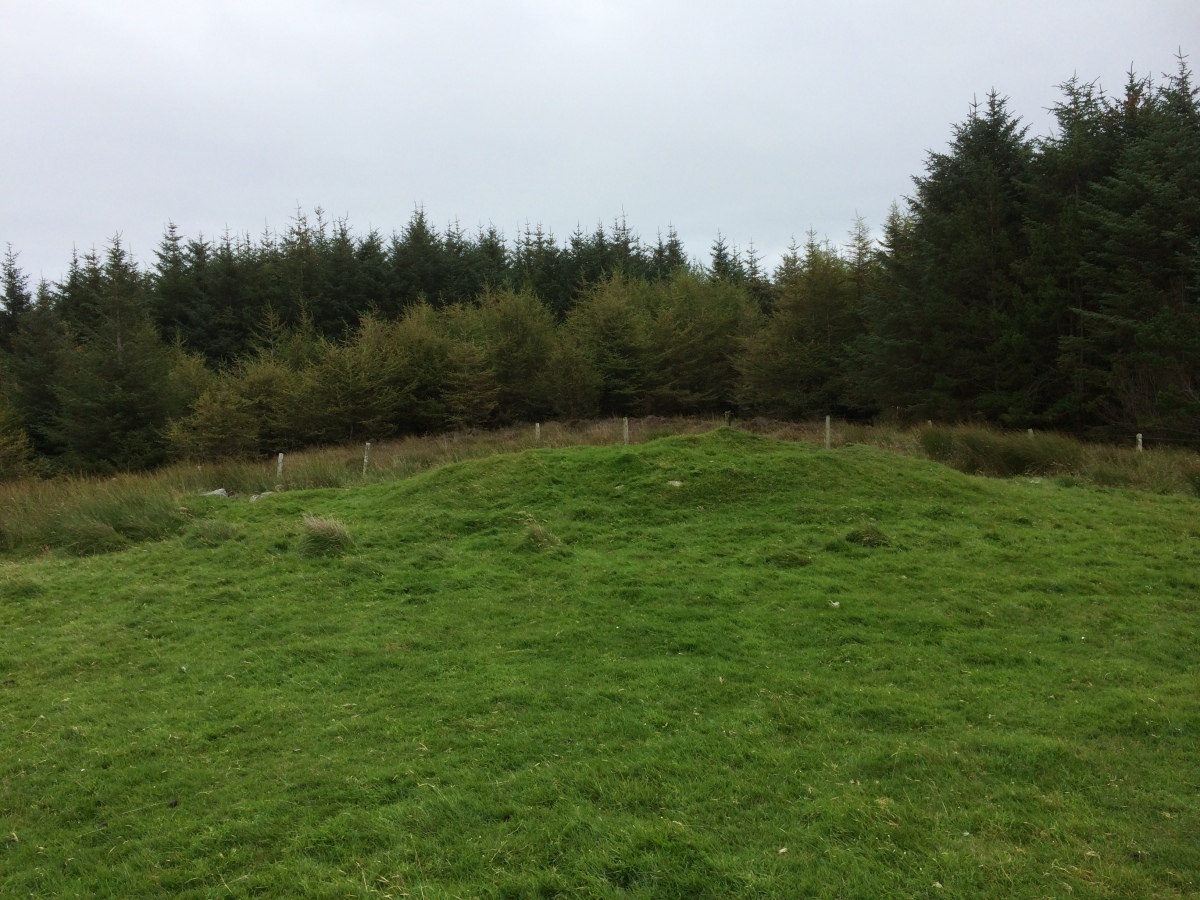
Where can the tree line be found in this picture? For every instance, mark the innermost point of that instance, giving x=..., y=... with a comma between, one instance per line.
x=1046, y=282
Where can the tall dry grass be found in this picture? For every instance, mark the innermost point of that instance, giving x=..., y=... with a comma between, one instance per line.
x=94, y=515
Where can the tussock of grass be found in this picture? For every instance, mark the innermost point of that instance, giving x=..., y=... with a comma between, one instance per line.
x=787, y=559
x=209, y=533
x=538, y=537
x=868, y=536
x=324, y=536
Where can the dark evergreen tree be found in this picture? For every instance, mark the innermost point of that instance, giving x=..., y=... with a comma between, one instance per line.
x=113, y=384
x=15, y=300
x=758, y=285
x=418, y=263
x=1136, y=354
x=667, y=257
x=725, y=263
x=950, y=342
x=543, y=268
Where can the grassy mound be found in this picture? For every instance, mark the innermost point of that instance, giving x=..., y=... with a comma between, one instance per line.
x=716, y=665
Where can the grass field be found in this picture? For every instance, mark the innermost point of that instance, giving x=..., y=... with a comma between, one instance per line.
x=709, y=665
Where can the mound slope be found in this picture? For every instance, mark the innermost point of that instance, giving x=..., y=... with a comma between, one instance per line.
x=677, y=669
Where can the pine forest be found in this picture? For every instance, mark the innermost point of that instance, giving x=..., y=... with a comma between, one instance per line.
x=1048, y=283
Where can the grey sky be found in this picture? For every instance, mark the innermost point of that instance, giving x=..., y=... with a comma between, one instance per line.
x=759, y=118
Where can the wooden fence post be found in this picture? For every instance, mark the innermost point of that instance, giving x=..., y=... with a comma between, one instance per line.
x=625, y=429
x=827, y=432
x=1139, y=443
x=279, y=469
x=366, y=456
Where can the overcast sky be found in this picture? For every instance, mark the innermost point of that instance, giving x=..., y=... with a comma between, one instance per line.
x=759, y=119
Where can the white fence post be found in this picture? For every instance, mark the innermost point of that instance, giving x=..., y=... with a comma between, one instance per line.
x=1139, y=439
x=366, y=456
x=279, y=469
x=537, y=432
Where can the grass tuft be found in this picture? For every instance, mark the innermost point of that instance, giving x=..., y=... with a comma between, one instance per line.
x=87, y=537
x=325, y=537
x=538, y=537
x=209, y=533
x=868, y=536
x=787, y=559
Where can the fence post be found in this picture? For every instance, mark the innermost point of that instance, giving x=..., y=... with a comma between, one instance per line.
x=537, y=432
x=1031, y=432
x=1139, y=439
x=279, y=469
x=827, y=432
x=625, y=429
x=366, y=456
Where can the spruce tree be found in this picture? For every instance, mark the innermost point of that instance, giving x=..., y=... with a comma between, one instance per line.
x=113, y=385
x=949, y=343
x=15, y=300
x=1137, y=353
x=418, y=262
x=37, y=350
x=725, y=263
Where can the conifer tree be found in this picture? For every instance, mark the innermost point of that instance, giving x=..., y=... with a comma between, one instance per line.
x=16, y=450
x=611, y=325
x=725, y=263
x=667, y=256
x=113, y=386
x=15, y=300
x=33, y=367
x=794, y=366
x=417, y=262
x=950, y=337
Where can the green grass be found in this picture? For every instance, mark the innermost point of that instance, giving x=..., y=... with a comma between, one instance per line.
x=554, y=673
x=86, y=516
